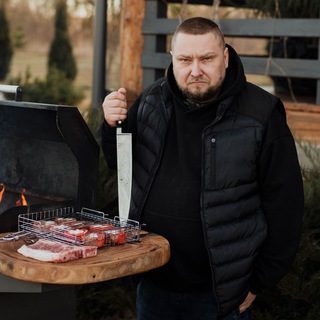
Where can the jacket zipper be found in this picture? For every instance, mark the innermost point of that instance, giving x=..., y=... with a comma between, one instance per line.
x=213, y=160
x=220, y=113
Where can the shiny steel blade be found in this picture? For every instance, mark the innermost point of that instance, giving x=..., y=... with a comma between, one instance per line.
x=124, y=163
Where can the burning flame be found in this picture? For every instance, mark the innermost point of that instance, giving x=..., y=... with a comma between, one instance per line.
x=22, y=201
x=2, y=191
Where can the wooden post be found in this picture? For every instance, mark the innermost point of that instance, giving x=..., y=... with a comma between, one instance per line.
x=131, y=46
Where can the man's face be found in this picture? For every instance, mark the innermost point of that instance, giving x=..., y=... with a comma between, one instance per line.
x=199, y=65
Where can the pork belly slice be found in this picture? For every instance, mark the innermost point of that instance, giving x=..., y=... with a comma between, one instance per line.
x=51, y=251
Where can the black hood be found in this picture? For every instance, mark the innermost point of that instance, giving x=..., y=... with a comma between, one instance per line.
x=234, y=82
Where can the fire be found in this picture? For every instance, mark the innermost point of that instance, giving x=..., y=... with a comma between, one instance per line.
x=22, y=200
x=2, y=191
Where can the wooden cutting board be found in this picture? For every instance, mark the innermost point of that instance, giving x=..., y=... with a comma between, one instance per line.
x=110, y=263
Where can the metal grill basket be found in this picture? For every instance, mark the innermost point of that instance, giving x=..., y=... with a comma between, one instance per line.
x=87, y=227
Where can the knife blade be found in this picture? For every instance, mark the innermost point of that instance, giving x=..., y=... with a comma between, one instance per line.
x=124, y=166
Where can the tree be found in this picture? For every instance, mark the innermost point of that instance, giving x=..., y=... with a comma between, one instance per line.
x=60, y=55
x=6, y=50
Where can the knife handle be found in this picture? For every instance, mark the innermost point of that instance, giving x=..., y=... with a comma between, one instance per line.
x=119, y=127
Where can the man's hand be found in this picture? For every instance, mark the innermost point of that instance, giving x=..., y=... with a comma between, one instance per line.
x=247, y=302
x=115, y=107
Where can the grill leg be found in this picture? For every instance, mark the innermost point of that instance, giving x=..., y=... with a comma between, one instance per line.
x=55, y=304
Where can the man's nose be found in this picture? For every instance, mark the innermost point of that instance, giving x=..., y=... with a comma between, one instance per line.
x=196, y=69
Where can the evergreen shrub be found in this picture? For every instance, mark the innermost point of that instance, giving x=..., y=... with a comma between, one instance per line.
x=297, y=297
x=6, y=50
x=56, y=88
x=60, y=54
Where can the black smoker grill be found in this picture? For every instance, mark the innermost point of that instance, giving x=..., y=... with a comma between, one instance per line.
x=48, y=153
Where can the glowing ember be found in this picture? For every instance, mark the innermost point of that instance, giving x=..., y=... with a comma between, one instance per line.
x=3, y=188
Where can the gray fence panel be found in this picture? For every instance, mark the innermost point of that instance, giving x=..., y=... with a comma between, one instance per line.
x=153, y=61
x=252, y=65
x=244, y=27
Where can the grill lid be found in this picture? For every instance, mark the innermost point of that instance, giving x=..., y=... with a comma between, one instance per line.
x=49, y=151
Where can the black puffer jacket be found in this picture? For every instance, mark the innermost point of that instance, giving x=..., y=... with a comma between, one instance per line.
x=250, y=189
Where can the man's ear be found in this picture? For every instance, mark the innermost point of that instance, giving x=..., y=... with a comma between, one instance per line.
x=226, y=57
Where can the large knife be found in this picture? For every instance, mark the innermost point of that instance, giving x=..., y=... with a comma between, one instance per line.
x=124, y=166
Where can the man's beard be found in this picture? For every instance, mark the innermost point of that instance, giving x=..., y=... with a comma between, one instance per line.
x=201, y=97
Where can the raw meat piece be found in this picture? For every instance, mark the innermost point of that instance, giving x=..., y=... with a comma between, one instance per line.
x=88, y=251
x=43, y=225
x=75, y=235
x=51, y=251
x=65, y=221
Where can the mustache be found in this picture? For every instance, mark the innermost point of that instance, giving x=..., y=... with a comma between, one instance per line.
x=197, y=80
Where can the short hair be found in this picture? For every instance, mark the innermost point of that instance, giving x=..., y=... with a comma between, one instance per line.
x=198, y=26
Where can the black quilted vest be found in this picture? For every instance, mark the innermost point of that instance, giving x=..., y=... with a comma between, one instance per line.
x=233, y=221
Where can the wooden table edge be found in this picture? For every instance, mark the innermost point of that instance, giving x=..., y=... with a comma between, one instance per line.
x=151, y=252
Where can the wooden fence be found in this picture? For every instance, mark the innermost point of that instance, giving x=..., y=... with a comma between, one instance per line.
x=156, y=27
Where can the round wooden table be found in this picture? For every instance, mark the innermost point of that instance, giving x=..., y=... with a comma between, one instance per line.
x=113, y=262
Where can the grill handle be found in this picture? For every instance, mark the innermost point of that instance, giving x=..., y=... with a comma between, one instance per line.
x=12, y=89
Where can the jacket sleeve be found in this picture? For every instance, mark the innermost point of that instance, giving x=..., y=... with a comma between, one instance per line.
x=282, y=202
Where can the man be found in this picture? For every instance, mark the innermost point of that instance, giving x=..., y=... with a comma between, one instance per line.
x=216, y=173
